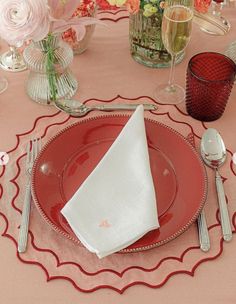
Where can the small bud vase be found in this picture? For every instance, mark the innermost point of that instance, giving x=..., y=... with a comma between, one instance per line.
x=49, y=77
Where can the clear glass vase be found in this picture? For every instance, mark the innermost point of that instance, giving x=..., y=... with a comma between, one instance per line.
x=79, y=47
x=49, y=78
x=146, y=46
x=87, y=8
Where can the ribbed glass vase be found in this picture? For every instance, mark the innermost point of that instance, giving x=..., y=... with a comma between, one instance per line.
x=49, y=78
x=146, y=46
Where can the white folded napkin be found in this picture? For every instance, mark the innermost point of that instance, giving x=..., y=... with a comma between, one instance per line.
x=116, y=204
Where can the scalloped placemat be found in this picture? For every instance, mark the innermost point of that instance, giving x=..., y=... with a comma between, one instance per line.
x=60, y=258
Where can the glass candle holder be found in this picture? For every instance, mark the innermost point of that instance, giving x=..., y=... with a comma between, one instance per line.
x=86, y=8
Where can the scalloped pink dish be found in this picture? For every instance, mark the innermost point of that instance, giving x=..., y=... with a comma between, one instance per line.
x=69, y=157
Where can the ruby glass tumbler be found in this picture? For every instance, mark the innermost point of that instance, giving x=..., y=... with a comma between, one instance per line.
x=210, y=78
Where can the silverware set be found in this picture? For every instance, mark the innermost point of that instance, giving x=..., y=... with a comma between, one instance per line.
x=213, y=153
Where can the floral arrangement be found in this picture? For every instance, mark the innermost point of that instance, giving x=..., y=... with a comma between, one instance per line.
x=149, y=7
x=104, y=5
x=22, y=21
x=202, y=5
x=86, y=8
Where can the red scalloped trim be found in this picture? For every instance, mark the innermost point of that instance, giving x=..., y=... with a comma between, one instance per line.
x=1, y=191
x=33, y=128
x=114, y=20
x=180, y=111
x=13, y=181
x=112, y=12
x=2, y=171
x=50, y=278
x=191, y=273
x=204, y=125
x=232, y=165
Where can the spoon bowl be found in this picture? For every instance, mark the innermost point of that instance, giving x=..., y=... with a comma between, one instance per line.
x=72, y=107
x=213, y=152
x=213, y=149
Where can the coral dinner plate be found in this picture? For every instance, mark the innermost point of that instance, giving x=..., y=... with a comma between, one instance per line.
x=69, y=157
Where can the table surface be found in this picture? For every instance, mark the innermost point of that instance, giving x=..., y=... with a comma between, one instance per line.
x=104, y=71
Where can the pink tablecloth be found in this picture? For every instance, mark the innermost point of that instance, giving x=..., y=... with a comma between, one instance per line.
x=106, y=72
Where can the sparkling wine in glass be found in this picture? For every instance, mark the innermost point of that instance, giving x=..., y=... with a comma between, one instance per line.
x=176, y=31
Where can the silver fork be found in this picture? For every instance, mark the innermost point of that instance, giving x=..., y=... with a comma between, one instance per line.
x=32, y=149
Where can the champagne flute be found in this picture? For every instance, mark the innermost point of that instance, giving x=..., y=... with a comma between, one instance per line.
x=176, y=31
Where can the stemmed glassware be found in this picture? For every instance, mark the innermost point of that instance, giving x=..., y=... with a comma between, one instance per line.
x=3, y=84
x=12, y=60
x=176, y=31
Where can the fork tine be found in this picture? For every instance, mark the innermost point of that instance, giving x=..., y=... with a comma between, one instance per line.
x=32, y=152
x=40, y=144
x=35, y=148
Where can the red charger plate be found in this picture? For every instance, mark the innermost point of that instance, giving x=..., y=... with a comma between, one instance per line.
x=69, y=157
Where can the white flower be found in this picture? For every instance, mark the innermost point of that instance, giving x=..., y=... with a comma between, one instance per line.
x=23, y=20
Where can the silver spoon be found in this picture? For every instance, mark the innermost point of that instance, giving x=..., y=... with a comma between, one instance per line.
x=77, y=109
x=213, y=153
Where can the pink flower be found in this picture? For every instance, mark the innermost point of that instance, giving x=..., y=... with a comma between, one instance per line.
x=104, y=5
x=162, y=4
x=132, y=6
x=23, y=20
x=62, y=9
x=62, y=18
